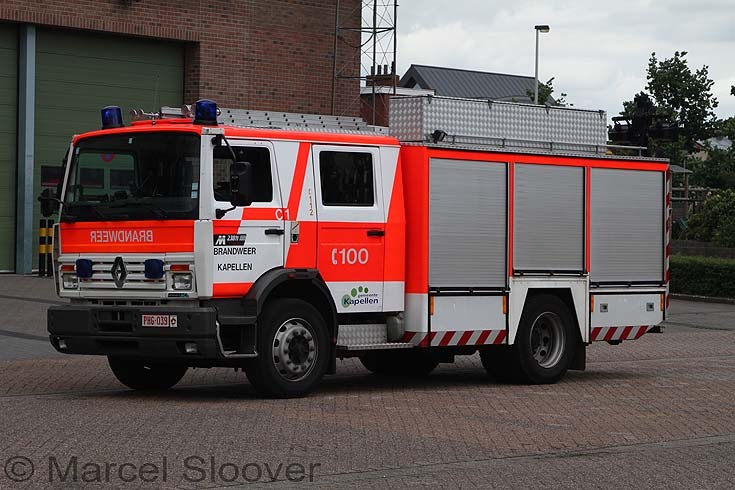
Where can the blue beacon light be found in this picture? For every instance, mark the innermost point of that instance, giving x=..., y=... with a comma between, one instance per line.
x=153, y=268
x=84, y=268
x=112, y=117
x=205, y=112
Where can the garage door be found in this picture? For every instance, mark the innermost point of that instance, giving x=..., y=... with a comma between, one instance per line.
x=8, y=122
x=79, y=73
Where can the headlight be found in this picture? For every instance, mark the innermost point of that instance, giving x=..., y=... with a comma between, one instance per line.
x=182, y=281
x=70, y=281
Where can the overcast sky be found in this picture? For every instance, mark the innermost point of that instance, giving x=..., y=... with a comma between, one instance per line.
x=597, y=50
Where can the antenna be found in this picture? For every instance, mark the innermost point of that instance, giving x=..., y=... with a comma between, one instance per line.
x=375, y=37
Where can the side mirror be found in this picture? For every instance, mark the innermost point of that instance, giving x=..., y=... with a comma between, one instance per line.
x=49, y=203
x=242, y=186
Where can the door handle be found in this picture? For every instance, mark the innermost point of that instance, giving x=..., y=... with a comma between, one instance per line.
x=274, y=231
x=375, y=233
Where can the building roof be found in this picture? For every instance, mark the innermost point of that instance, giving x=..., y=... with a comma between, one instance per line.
x=453, y=82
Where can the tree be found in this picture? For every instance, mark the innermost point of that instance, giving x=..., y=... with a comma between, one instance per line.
x=679, y=97
x=716, y=171
x=716, y=222
x=684, y=95
x=545, y=90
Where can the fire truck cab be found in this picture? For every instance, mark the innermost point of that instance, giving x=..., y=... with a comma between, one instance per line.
x=277, y=247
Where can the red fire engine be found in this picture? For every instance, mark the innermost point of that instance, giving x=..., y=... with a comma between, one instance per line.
x=277, y=243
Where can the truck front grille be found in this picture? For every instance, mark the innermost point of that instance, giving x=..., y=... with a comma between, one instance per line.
x=132, y=279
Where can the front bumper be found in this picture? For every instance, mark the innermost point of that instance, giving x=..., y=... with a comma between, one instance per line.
x=118, y=331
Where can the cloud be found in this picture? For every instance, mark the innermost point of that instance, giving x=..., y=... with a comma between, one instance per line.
x=597, y=50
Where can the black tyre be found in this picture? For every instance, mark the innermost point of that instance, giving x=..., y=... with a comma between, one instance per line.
x=293, y=350
x=145, y=375
x=543, y=347
x=400, y=362
x=500, y=362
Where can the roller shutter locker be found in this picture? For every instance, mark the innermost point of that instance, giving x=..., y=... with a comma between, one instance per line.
x=627, y=226
x=548, y=218
x=468, y=225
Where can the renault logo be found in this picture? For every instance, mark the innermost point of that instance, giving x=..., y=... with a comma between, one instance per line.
x=119, y=272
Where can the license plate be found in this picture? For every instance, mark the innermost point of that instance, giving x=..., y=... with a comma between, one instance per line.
x=159, y=321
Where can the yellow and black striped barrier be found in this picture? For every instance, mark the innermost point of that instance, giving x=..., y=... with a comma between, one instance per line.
x=45, y=247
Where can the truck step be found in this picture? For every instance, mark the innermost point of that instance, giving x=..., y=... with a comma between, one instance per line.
x=363, y=334
x=386, y=345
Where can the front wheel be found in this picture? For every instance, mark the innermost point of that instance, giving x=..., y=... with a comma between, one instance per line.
x=293, y=350
x=144, y=375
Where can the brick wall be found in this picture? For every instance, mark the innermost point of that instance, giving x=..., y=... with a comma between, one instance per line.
x=265, y=55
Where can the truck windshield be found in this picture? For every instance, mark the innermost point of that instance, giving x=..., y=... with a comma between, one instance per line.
x=134, y=176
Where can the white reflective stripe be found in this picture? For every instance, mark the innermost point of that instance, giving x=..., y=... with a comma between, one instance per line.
x=493, y=336
x=475, y=337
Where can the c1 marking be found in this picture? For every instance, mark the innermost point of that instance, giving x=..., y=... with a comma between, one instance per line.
x=283, y=214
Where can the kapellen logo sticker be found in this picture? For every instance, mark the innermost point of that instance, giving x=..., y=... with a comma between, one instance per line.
x=360, y=296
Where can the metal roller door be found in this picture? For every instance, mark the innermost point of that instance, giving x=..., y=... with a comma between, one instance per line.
x=627, y=225
x=548, y=231
x=79, y=73
x=467, y=224
x=8, y=143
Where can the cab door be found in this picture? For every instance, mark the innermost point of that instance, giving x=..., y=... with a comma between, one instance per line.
x=351, y=228
x=248, y=241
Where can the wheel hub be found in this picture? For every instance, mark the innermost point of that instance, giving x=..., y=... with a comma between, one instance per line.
x=547, y=339
x=294, y=349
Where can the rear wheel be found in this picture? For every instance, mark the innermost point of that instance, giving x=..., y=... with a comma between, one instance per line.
x=544, y=340
x=500, y=362
x=145, y=375
x=293, y=350
x=415, y=362
x=542, y=351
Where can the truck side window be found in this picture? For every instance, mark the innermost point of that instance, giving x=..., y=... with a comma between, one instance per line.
x=346, y=178
x=258, y=156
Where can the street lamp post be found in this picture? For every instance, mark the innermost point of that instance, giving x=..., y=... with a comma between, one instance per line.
x=540, y=28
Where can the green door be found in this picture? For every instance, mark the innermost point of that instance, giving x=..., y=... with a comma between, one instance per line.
x=77, y=74
x=8, y=142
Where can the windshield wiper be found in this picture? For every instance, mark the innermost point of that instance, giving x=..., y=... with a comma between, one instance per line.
x=159, y=212
x=70, y=213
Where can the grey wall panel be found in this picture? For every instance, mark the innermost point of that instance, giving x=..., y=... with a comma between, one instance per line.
x=548, y=220
x=467, y=224
x=627, y=225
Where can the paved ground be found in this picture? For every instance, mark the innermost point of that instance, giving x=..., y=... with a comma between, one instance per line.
x=655, y=413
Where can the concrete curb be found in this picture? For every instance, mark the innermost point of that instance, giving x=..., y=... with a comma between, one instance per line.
x=703, y=299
